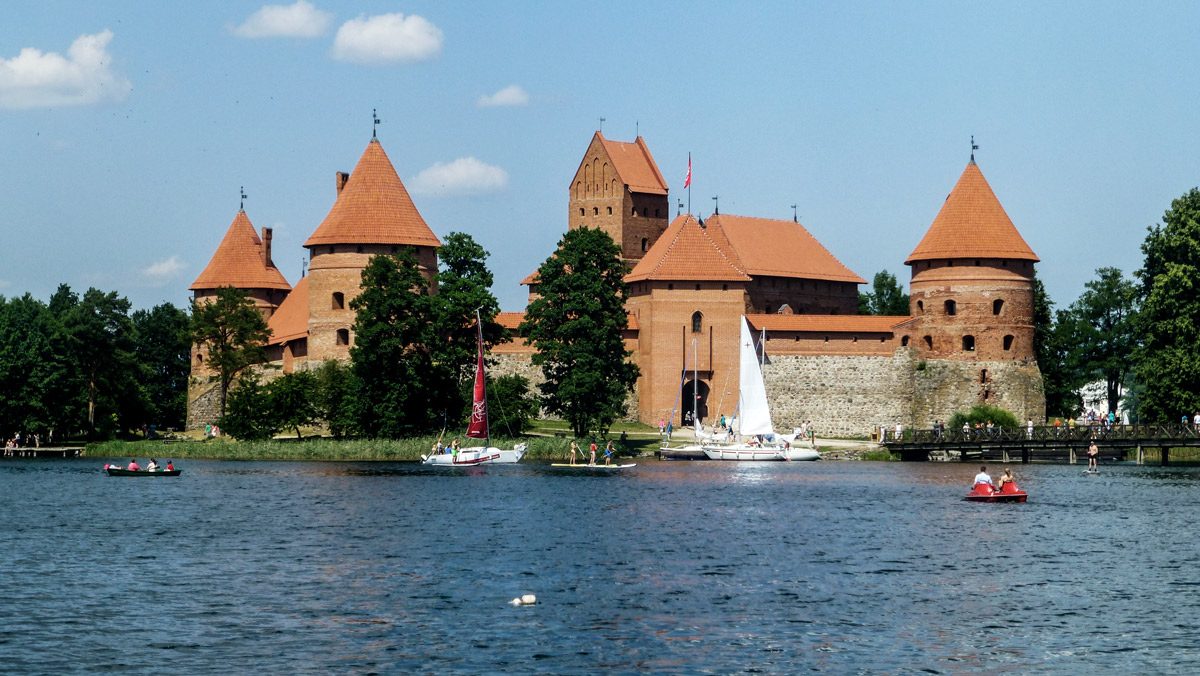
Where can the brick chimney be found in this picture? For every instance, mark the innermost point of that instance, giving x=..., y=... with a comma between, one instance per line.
x=266, y=247
x=340, y=179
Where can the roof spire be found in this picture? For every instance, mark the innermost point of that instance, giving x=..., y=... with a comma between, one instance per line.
x=601, y=130
x=973, y=148
x=716, y=205
x=374, y=123
x=795, y=216
x=242, y=204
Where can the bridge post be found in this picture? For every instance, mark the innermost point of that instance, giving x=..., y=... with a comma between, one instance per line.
x=1141, y=455
x=1071, y=454
x=1025, y=453
x=1165, y=459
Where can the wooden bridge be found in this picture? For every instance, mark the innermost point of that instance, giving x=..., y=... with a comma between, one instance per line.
x=1043, y=444
x=41, y=452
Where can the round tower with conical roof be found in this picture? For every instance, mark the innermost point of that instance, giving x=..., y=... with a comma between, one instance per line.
x=971, y=297
x=372, y=215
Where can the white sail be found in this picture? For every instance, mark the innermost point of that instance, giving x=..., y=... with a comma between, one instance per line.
x=754, y=413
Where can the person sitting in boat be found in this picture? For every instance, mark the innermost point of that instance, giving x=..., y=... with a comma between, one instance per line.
x=152, y=466
x=984, y=478
x=170, y=467
x=133, y=466
x=1005, y=479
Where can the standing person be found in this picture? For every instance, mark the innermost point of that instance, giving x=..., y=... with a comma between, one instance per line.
x=1029, y=428
x=592, y=451
x=608, y=453
x=662, y=426
x=574, y=450
x=1093, y=454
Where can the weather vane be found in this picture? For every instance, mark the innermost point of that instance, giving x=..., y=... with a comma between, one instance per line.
x=375, y=122
x=602, y=125
x=680, y=209
x=716, y=204
x=242, y=204
x=795, y=216
x=973, y=148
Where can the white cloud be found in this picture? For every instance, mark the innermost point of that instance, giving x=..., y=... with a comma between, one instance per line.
x=164, y=270
x=387, y=38
x=299, y=20
x=37, y=79
x=512, y=95
x=464, y=176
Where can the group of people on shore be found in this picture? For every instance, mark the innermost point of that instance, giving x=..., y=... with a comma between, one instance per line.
x=14, y=442
x=609, y=452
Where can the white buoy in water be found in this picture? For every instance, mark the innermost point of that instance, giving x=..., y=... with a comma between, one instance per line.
x=515, y=602
x=528, y=599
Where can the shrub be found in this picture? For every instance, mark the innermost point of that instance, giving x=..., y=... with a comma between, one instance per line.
x=982, y=413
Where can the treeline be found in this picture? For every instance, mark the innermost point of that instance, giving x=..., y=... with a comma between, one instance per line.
x=413, y=360
x=86, y=365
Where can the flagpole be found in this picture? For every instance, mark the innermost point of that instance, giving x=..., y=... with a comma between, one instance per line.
x=689, y=186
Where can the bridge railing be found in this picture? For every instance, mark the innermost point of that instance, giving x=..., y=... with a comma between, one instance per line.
x=1050, y=433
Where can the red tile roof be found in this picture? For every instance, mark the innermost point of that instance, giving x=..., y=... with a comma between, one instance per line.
x=774, y=248
x=687, y=251
x=826, y=323
x=635, y=165
x=238, y=261
x=972, y=224
x=290, y=320
x=373, y=208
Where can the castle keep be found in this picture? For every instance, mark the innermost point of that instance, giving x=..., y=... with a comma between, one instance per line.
x=968, y=338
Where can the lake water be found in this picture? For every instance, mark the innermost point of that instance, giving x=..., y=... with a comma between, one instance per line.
x=669, y=567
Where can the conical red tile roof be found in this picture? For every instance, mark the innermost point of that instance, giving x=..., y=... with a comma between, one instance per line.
x=687, y=251
x=373, y=208
x=238, y=261
x=972, y=224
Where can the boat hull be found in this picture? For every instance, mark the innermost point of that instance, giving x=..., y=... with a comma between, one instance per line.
x=693, y=452
x=743, y=453
x=985, y=493
x=477, y=456
x=113, y=471
x=801, y=454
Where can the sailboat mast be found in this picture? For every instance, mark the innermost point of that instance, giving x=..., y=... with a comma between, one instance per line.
x=695, y=387
x=482, y=374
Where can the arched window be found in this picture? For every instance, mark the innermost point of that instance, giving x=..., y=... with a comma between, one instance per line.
x=610, y=211
x=904, y=341
x=697, y=321
x=580, y=211
x=634, y=213
x=921, y=306
x=968, y=343
x=199, y=358
x=951, y=308
x=997, y=306
x=645, y=242
x=1008, y=343
x=339, y=301
x=595, y=211
x=343, y=336
x=928, y=342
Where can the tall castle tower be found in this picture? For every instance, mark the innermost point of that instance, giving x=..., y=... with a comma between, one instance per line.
x=971, y=298
x=619, y=189
x=373, y=214
x=242, y=261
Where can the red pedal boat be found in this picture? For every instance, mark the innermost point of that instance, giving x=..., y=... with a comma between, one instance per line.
x=986, y=493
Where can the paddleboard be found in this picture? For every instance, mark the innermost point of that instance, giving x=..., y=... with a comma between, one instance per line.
x=1091, y=471
x=564, y=465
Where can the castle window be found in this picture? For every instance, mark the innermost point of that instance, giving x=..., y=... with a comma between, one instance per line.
x=697, y=287
x=951, y=308
x=634, y=213
x=724, y=287
x=580, y=211
x=644, y=243
x=697, y=322
x=670, y=287
x=1004, y=264
x=656, y=213
x=904, y=341
x=826, y=339
x=855, y=340
x=645, y=212
x=983, y=375
x=359, y=249
x=997, y=306
x=928, y=342
x=921, y=305
x=951, y=263
x=199, y=359
x=330, y=249
x=343, y=336
x=595, y=211
x=968, y=343
x=339, y=301
x=610, y=211
x=1008, y=343
x=976, y=263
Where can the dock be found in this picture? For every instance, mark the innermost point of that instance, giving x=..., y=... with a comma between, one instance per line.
x=41, y=452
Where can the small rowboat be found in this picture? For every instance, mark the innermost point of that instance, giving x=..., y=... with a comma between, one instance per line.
x=587, y=467
x=117, y=471
x=985, y=493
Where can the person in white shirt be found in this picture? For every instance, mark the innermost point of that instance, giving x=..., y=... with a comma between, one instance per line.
x=983, y=478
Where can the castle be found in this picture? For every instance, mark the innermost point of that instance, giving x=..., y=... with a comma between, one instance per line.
x=968, y=338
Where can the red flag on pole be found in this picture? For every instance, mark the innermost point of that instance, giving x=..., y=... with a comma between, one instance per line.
x=687, y=181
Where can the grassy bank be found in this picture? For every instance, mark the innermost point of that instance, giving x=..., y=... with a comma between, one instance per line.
x=544, y=449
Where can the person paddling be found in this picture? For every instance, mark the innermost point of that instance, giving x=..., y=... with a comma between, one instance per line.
x=1093, y=454
x=984, y=478
x=574, y=450
x=133, y=466
x=592, y=451
x=608, y=453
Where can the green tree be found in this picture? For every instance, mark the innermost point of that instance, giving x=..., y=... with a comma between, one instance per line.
x=162, y=346
x=576, y=325
x=249, y=416
x=511, y=405
x=101, y=339
x=1105, y=330
x=886, y=297
x=401, y=391
x=1052, y=343
x=983, y=414
x=1168, y=363
x=292, y=400
x=33, y=371
x=335, y=401
x=232, y=332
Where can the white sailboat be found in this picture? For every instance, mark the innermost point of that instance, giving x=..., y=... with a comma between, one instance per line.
x=754, y=415
x=477, y=428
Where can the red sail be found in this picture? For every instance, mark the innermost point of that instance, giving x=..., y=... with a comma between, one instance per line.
x=477, y=428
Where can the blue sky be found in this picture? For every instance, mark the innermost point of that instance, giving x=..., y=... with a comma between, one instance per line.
x=128, y=128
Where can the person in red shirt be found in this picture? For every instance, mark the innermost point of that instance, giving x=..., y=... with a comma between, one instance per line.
x=592, y=450
x=133, y=466
x=170, y=467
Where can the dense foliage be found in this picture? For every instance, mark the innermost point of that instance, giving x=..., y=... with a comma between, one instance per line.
x=1104, y=332
x=1168, y=363
x=577, y=324
x=233, y=335
x=982, y=414
x=886, y=297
